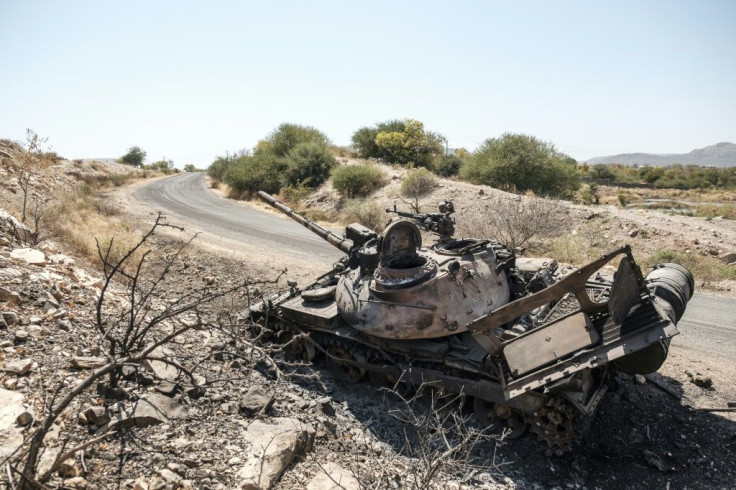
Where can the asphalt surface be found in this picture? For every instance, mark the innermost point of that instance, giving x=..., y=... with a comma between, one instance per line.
x=185, y=198
x=709, y=323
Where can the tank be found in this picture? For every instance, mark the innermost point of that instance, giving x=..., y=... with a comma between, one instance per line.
x=532, y=344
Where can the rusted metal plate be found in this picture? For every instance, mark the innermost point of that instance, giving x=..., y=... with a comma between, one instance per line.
x=626, y=290
x=552, y=342
x=317, y=313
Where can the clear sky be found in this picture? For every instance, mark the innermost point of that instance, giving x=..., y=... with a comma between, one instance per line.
x=191, y=80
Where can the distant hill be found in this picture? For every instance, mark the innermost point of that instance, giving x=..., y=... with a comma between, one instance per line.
x=718, y=155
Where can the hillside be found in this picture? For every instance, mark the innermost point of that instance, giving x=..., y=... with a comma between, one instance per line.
x=718, y=155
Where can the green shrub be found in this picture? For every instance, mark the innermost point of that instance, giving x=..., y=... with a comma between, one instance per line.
x=219, y=167
x=623, y=199
x=357, y=180
x=448, y=165
x=308, y=164
x=367, y=213
x=287, y=137
x=248, y=175
x=293, y=195
x=522, y=163
x=364, y=139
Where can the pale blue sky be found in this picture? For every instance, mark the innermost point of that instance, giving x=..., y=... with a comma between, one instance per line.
x=191, y=80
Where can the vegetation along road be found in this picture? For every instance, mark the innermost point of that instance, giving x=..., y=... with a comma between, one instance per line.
x=709, y=324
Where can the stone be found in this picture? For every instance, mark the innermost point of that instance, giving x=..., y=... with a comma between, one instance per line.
x=160, y=369
x=257, y=400
x=332, y=476
x=9, y=297
x=140, y=484
x=209, y=280
x=20, y=367
x=24, y=418
x=166, y=388
x=84, y=362
x=96, y=415
x=10, y=317
x=639, y=379
x=728, y=257
x=75, y=483
x=633, y=233
x=29, y=255
x=702, y=381
x=150, y=409
x=69, y=469
x=11, y=383
x=273, y=446
x=21, y=335
x=170, y=476
x=11, y=436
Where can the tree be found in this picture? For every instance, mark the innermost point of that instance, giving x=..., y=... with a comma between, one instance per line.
x=287, y=137
x=134, y=157
x=364, y=139
x=522, y=163
x=413, y=146
x=308, y=164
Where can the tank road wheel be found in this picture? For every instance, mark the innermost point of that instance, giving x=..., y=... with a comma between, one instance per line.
x=300, y=350
x=556, y=424
x=345, y=372
x=499, y=418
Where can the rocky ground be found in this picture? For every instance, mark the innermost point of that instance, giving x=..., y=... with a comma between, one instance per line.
x=246, y=419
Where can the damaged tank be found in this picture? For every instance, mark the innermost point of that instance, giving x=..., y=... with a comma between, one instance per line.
x=534, y=344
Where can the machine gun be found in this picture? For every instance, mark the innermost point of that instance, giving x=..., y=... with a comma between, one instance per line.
x=441, y=223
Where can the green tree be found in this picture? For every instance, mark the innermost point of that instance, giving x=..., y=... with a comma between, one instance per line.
x=134, y=157
x=250, y=174
x=287, y=137
x=364, y=139
x=412, y=146
x=523, y=163
x=189, y=167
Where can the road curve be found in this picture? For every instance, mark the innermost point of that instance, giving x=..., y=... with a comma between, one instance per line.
x=185, y=198
x=709, y=324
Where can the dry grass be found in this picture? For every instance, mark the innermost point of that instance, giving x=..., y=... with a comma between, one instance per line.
x=705, y=268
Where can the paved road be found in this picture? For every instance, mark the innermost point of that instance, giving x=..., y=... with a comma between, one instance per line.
x=709, y=323
x=185, y=198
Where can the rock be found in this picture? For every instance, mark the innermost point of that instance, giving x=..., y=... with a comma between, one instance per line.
x=633, y=233
x=639, y=379
x=10, y=317
x=11, y=383
x=140, y=484
x=166, y=388
x=326, y=406
x=209, y=280
x=21, y=335
x=728, y=257
x=20, y=367
x=481, y=192
x=11, y=436
x=659, y=462
x=64, y=324
x=150, y=409
x=170, y=477
x=332, y=476
x=702, y=381
x=160, y=369
x=257, y=400
x=76, y=483
x=273, y=447
x=82, y=362
x=96, y=415
x=69, y=469
x=24, y=418
x=9, y=297
x=29, y=255
x=35, y=319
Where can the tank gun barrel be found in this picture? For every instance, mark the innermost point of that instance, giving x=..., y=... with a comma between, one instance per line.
x=342, y=243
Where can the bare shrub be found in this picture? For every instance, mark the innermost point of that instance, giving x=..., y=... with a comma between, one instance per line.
x=418, y=183
x=515, y=221
x=367, y=213
x=128, y=335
